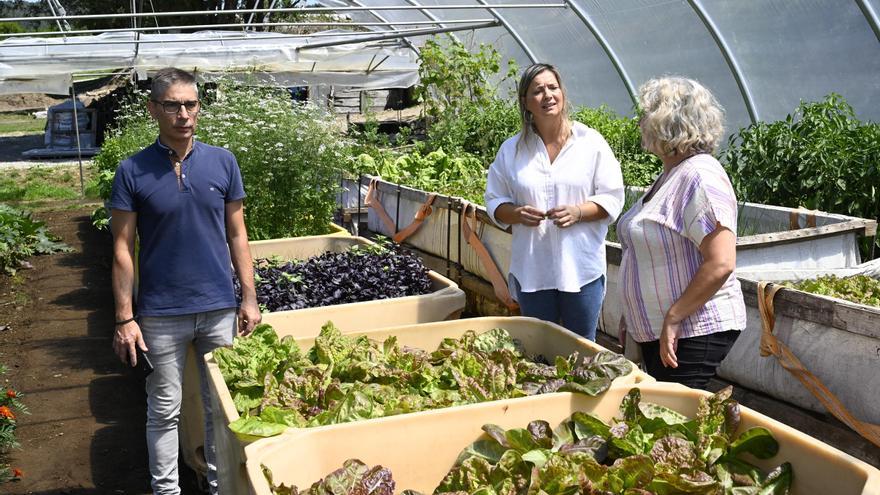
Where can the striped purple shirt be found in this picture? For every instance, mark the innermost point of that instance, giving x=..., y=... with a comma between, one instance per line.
x=661, y=251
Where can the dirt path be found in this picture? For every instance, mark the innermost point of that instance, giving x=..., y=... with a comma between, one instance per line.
x=85, y=433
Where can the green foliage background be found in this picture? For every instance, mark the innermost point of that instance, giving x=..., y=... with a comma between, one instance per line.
x=820, y=157
x=290, y=155
x=22, y=236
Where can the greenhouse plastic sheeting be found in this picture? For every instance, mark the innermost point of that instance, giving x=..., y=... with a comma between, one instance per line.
x=836, y=340
x=50, y=65
x=445, y=302
x=760, y=58
x=536, y=336
x=419, y=457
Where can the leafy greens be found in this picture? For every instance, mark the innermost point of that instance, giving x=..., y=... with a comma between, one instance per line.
x=357, y=275
x=650, y=450
x=276, y=385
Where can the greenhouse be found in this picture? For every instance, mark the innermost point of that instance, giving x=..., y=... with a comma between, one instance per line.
x=392, y=246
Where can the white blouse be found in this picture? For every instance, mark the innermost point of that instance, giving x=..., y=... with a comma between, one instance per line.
x=546, y=256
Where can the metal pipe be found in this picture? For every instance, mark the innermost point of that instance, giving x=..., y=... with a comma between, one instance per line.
x=361, y=38
x=238, y=24
x=94, y=74
x=513, y=33
x=870, y=16
x=57, y=22
x=82, y=184
x=732, y=63
x=399, y=34
x=383, y=19
x=134, y=22
x=606, y=47
x=302, y=10
x=251, y=17
x=433, y=17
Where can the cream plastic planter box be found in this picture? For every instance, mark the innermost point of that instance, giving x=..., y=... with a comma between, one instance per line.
x=537, y=337
x=445, y=302
x=420, y=448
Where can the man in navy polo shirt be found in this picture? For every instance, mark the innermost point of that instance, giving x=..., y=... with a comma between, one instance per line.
x=183, y=199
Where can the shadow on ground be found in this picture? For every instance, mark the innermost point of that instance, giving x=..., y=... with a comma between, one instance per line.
x=75, y=331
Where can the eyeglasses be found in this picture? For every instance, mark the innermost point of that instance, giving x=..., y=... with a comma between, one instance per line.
x=169, y=106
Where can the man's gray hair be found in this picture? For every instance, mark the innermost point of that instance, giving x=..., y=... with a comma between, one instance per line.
x=167, y=77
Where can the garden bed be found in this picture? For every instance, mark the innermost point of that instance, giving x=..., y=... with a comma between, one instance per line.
x=410, y=447
x=446, y=301
x=537, y=337
x=836, y=340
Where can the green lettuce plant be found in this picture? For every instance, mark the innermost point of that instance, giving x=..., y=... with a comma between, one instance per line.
x=860, y=289
x=276, y=385
x=651, y=449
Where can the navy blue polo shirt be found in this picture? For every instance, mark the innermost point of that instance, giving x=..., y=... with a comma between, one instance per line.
x=184, y=262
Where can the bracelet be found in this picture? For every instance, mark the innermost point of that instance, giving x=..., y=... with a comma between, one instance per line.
x=580, y=214
x=123, y=322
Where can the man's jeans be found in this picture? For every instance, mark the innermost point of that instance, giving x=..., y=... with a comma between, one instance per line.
x=167, y=338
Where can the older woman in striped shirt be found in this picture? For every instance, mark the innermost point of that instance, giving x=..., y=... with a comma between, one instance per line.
x=682, y=301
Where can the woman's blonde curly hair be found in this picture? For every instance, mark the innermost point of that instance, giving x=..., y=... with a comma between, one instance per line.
x=679, y=117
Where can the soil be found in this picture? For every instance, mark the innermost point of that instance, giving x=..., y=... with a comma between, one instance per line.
x=28, y=101
x=85, y=433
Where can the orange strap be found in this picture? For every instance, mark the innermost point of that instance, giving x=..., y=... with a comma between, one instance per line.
x=424, y=212
x=770, y=345
x=372, y=200
x=795, y=222
x=469, y=210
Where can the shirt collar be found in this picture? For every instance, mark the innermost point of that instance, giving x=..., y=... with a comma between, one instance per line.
x=165, y=150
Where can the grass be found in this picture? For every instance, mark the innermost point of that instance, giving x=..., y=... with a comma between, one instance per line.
x=19, y=123
x=40, y=183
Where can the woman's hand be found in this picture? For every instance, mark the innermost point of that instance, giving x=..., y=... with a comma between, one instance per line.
x=529, y=215
x=565, y=215
x=669, y=342
x=621, y=331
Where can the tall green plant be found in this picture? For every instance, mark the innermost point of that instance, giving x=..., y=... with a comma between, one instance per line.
x=457, y=88
x=639, y=167
x=821, y=157
x=134, y=131
x=451, y=76
x=290, y=155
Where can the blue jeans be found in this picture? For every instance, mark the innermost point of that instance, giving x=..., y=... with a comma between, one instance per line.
x=167, y=339
x=576, y=311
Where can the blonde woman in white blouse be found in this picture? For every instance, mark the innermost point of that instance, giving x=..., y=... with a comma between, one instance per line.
x=559, y=186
